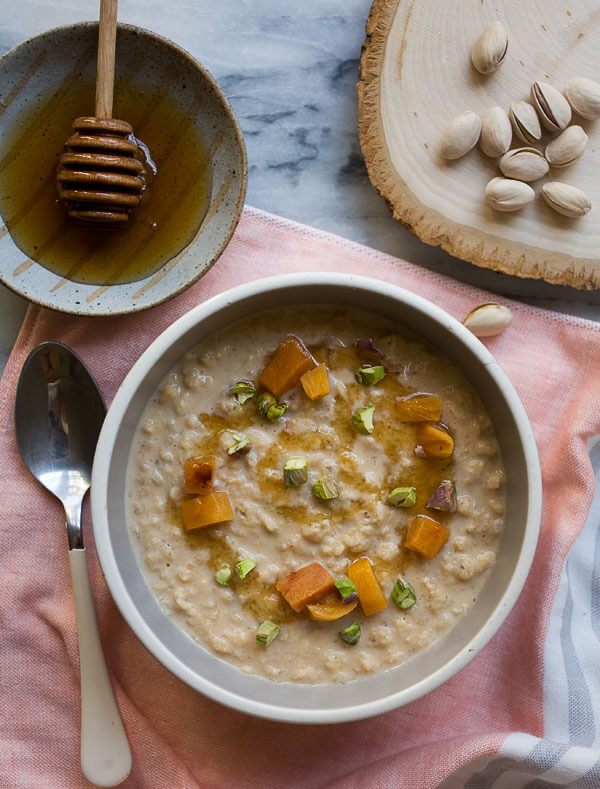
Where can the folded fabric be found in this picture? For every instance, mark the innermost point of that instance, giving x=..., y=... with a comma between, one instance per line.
x=178, y=737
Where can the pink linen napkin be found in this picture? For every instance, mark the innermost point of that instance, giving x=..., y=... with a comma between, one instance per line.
x=178, y=737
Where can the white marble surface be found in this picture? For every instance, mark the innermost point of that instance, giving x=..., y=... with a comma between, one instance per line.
x=290, y=71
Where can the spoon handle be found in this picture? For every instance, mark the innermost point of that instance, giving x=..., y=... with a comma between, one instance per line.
x=105, y=753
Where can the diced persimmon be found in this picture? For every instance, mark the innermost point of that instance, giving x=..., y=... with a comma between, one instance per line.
x=316, y=382
x=370, y=594
x=419, y=407
x=290, y=361
x=435, y=440
x=329, y=612
x=306, y=585
x=199, y=475
x=425, y=536
x=207, y=510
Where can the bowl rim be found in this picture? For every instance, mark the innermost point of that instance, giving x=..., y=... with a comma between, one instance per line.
x=241, y=143
x=99, y=492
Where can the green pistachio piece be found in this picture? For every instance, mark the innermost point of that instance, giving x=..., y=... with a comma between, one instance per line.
x=370, y=374
x=326, y=488
x=223, y=576
x=346, y=588
x=403, y=497
x=243, y=391
x=264, y=402
x=295, y=472
x=240, y=447
x=363, y=419
x=350, y=634
x=267, y=632
x=276, y=411
x=403, y=594
x=244, y=567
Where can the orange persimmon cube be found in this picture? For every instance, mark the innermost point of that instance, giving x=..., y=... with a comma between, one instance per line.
x=290, y=361
x=207, y=510
x=370, y=594
x=199, y=475
x=316, y=382
x=435, y=440
x=306, y=585
x=329, y=612
x=425, y=536
x=419, y=407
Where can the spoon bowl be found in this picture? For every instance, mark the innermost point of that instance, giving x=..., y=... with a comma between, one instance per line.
x=58, y=415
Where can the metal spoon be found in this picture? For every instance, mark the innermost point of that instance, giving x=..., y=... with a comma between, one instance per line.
x=58, y=415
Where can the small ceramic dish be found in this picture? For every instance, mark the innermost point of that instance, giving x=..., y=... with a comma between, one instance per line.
x=49, y=70
x=325, y=703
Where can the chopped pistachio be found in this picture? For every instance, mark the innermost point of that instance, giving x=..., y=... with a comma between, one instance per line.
x=370, y=374
x=403, y=594
x=295, y=472
x=223, y=575
x=242, y=391
x=264, y=402
x=367, y=349
x=363, y=419
x=241, y=446
x=276, y=411
x=444, y=498
x=346, y=588
x=403, y=497
x=350, y=634
x=326, y=488
x=244, y=567
x=267, y=632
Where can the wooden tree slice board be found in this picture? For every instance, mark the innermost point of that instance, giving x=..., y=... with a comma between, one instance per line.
x=416, y=75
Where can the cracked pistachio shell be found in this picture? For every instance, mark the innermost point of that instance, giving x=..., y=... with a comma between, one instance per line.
x=552, y=107
x=490, y=48
x=567, y=147
x=460, y=135
x=506, y=194
x=566, y=199
x=584, y=96
x=496, y=132
x=487, y=320
x=524, y=164
x=525, y=121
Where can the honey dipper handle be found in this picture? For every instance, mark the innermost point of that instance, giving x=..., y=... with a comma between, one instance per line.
x=105, y=76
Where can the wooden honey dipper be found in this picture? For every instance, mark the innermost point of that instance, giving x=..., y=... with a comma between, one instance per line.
x=98, y=175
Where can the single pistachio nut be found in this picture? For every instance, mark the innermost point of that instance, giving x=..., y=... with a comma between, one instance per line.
x=524, y=164
x=276, y=411
x=403, y=497
x=243, y=391
x=241, y=445
x=370, y=374
x=264, y=402
x=506, y=194
x=460, y=135
x=553, y=108
x=346, y=589
x=488, y=319
x=223, y=575
x=326, y=488
x=490, y=48
x=267, y=632
x=566, y=199
x=584, y=96
x=444, y=497
x=496, y=132
x=403, y=594
x=295, y=472
x=567, y=147
x=363, y=419
x=244, y=567
x=367, y=350
x=351, y=634
x=525, y=121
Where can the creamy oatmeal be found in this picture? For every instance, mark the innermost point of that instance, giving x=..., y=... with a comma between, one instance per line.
x=278, y=521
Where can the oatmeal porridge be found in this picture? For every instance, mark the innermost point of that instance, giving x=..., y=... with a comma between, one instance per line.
x=313, y=496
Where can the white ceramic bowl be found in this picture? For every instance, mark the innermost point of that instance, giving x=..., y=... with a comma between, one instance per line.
x=317, y=703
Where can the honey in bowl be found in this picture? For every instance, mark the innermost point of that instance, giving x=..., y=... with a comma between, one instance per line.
x=166, y=221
